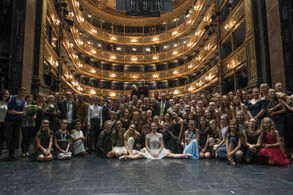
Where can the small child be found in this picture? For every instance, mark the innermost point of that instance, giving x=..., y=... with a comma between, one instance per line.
x=78, y=139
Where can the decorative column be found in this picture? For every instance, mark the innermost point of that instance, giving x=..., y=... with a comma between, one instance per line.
x=38, y=85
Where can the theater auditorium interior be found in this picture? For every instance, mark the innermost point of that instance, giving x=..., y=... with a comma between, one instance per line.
x=146, y=96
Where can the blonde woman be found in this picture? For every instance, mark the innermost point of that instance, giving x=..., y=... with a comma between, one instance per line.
x=44, y=139
x=271, y=146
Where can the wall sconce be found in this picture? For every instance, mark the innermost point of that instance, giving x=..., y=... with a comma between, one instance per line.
x=93, y=92
x=155, y=39
x=174, y=33
x=113, y=38
x=113, y=75
x=94, y=30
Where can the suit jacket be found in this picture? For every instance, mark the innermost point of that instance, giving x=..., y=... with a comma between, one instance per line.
x=81, y=111
x=167, y=105
x=63, y=110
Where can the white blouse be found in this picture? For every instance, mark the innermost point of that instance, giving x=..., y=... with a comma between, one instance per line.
x=3, y=111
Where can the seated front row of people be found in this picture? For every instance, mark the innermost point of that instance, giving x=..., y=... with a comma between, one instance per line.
x=61, y=139
x=228, y=143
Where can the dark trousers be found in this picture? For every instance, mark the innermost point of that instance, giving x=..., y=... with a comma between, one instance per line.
x=26, y=138
x=94, y=132
x=12, y=135
x=2, y=125
x=70, y=127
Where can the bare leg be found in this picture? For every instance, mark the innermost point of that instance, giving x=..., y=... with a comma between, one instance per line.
x=172, y=155
x=230, y=148
x=131, y=157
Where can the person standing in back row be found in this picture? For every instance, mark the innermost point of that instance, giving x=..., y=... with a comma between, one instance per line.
x=95, y=122
x=13, y=121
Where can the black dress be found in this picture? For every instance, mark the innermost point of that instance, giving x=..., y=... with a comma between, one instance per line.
x=44, y=139
x=289, y=128
x=174, y=143
x=251, y=139
x=62, y=140
x=277, y=118
x=203, y=135
x=104, y=144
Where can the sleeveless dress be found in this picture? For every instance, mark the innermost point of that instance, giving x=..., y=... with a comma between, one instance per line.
x=275, y=154
x=154, y=146
x=62, y=139
x=192, y=147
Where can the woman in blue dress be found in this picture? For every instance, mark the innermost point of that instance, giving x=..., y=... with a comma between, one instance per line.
x=221, y=145
x=256, y=106
x=191, y=140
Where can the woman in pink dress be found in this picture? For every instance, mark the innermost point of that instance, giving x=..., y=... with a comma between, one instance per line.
x=271, y=144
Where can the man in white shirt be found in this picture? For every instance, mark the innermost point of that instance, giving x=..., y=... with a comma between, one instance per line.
x=95, y=122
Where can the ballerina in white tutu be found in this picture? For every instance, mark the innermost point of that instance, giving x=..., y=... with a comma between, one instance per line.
x=154, y=148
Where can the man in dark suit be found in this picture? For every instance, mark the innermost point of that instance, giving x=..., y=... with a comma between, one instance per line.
x=163, y=105
x=67, y=110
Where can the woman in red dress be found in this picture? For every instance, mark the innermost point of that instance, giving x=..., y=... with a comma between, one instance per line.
x=271, y=144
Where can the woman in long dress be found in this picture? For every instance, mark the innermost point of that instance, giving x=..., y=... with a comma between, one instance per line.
x=154, y=148
x=191, y=138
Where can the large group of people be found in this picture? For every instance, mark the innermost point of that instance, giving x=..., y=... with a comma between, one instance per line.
x=254, y=125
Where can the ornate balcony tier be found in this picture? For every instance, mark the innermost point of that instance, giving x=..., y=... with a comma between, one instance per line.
x=189, y=67
x=100, y=34
x=202, y=82
x=143, y=59
x=115, y=17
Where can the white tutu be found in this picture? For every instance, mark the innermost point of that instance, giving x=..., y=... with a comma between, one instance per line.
x=147, y=155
